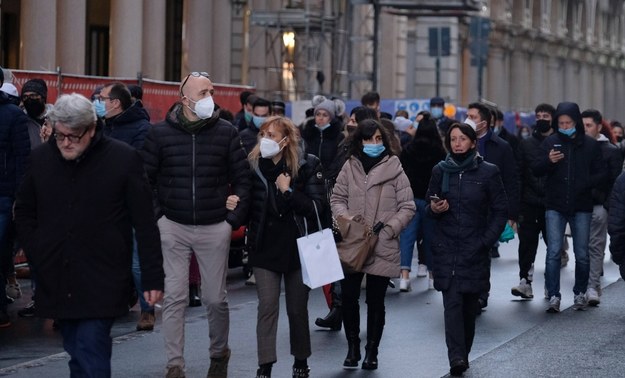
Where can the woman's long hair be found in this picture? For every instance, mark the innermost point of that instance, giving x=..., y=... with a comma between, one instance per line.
x=365, y=130
x=291, y=150
x=427, y=133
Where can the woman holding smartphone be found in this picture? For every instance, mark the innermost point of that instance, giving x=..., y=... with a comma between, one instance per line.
x=468, y=201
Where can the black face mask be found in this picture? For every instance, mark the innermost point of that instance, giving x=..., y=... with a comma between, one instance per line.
x=34, y=108
x=543, y=125
x=619, y=139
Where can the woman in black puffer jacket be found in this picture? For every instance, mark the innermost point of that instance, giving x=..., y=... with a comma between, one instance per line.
x=471, y=214
x=286, y=186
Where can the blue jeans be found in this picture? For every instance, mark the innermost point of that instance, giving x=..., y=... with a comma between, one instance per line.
x=89, y=345
x=136, y=276
x=420, y=224
x=580, y=228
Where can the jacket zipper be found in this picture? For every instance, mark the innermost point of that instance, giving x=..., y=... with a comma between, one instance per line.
x=193, y=176
x=320, y=143
x=453, y=269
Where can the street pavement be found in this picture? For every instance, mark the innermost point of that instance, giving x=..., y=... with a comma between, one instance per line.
x=514, y=338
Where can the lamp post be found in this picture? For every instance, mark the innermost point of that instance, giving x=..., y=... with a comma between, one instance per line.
x=288, y=80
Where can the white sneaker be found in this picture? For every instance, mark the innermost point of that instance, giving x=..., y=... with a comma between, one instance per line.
x=251, y=281
x=422, y=270
x=404, y=285
x=593, y=297
x=554, y=305
x=530, y=273
x=579, y=302
x=430, y=283
x=13, y=290
x=524, y=290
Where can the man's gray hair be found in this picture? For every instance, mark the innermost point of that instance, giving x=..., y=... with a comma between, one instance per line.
x=74, y=111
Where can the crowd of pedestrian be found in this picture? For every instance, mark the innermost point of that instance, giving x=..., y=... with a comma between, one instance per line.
x=108, y=207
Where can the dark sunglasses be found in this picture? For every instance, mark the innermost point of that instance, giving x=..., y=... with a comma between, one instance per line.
x=194, y=74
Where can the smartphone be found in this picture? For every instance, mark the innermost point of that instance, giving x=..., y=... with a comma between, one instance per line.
x=557, y=147
x=435, y=198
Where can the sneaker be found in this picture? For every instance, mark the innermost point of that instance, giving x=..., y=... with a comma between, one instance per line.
x=530, y=273
x=524, y=290
x=251, y=281
x=175, y=372
x=4, y=319
x=422, y=270
x=579, y=302
x=301, y=372
x=146, y=321
x=430, y=283
x=404, y=285
x=554, y=305
x=28, y=311
x=13, y=290
x=219, y=366
x=593, y=297
x=391, y=283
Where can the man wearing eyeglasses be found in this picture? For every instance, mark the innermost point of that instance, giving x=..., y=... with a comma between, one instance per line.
x=75, y=213
x=200, y=177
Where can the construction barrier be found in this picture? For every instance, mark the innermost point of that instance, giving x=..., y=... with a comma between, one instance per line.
x=158, y=96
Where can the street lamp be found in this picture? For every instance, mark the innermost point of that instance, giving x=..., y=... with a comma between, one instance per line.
x=288, y=38
x=288, y=66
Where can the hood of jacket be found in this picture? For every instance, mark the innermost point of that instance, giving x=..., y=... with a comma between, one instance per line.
x=134, y=113
x=570, y=109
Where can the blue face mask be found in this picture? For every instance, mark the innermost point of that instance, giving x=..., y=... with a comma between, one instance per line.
x=258, y=121
x=373, y=149
x=100, y=109
x=323, y=127
x=568, y=132
x=437, y=112
x=497, y=129
x=248, y=116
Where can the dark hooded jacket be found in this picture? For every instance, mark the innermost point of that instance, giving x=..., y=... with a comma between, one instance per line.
x=616, y=221
x=571, y=180
x=613, y=160
x=465, y=233
x=14, y=146
x=130, y=126
x=324, y=144
x=193, y=173
x=532, y=186
x=418, y=158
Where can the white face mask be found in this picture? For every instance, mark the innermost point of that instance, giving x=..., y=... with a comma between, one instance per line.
x=269, y=147
x=203, y=108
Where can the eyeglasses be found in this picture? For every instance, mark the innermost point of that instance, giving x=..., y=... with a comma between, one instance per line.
x=107, y=98
x=194, y=74
x=60, y=137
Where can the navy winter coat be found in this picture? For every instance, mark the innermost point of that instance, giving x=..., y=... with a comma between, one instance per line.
x=478, y=210
x=131, y=126
x=193, y=174
x=14, y=146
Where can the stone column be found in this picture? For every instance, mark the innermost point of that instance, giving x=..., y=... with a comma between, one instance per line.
x=220, y=57
x=71, y=36
x=38, y=35
x=555, y=78
x=197, y=45
x=497, y=88
x=519, y=75
x=153, y=49
x=538, y=89
x=126, y=29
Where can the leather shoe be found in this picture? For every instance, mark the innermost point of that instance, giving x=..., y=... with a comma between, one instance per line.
x=458, y=367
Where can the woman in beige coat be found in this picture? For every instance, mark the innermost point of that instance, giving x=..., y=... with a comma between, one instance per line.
x=372, y=184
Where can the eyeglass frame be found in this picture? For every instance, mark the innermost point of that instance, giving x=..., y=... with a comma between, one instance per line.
x=108, y=98
x=73, y=139
x=194, y=74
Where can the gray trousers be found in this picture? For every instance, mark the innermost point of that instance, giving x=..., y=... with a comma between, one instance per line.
x=596, y=245
x=296, y=295
x=211, y=245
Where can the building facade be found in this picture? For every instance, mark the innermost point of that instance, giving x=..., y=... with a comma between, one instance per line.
x=529, y=51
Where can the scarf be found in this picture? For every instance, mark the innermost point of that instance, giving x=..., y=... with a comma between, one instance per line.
x=449, y=166
x=192, y=126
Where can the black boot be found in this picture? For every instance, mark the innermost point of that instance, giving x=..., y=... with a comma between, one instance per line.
x=194, y=296
x=375, y=326
x=333, y=320
x=264, y=371
x=352, y=333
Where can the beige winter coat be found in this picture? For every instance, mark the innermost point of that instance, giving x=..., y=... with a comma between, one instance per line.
x=357, y=193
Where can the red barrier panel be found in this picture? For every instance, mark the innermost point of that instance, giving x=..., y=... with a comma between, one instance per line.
x=158, y=96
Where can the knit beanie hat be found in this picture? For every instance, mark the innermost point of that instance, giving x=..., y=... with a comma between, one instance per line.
x=36, y=85
x=328, y=106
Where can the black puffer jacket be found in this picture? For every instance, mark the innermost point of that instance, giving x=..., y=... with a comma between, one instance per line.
x=131, y=126
x=14, y=146
x=613, y=160
x=249, y=138
x=192, y=174
x=465, y=233
x=532, y=186
x=307, y=187
x=570, y=181
x=325, y=145
x=616, y=220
